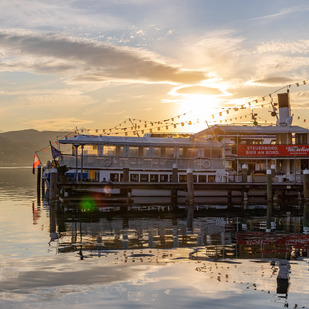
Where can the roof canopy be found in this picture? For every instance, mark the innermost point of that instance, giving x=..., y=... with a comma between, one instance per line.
x=250, y=130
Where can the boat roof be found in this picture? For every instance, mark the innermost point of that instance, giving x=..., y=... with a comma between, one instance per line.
x=250, y=130
x=137, y=141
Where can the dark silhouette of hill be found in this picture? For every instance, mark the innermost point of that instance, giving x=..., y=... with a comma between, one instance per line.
x=17, y=148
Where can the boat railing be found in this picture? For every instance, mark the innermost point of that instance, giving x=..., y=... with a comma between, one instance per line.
x=113, y=162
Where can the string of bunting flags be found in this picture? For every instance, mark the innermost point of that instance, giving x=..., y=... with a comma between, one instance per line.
x=223, y=115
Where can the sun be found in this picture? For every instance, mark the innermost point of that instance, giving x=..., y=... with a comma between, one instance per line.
x=199, y=109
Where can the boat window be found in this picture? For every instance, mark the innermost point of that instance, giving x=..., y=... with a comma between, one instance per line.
x=260, y=166
x=211, y=178
x=163, y=178
x=144, y=178
x=216, y=153
x=146, y=151
x=182, y=152
x=134, y=177
x=301, y=139
x=156, y=151
x=169, y=152
x=114, y=177
x=133, y=151
x=91, y=150
x=109, y=150
x=182, y=178
x=228, y=165
x=207, y=153
x=154, y=178
x=119, y=151
x=192, y=153
x=202, y=178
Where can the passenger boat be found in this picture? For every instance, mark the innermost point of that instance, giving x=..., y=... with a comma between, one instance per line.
x=217, y=154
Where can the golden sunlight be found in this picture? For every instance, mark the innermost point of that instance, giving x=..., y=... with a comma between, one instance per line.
x=199, y=109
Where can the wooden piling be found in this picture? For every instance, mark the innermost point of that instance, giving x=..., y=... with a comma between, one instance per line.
x=126, y=192
x=43, y=186
x=53, y=186
x=245, y=199
x=174, y=192
x=306, y=202
x=269, y=200
x=244, y=173
x=190, y=190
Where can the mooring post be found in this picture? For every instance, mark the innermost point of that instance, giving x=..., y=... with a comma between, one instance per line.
x=306, y=202
x=126, y=192
x=269, y=200
x=190, y=189
x=245, y=199
x=53, y=186
x=244, y=172
x=174, y=192
x=43, y=186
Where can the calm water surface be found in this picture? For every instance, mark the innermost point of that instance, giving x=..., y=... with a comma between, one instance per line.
x=137, y=263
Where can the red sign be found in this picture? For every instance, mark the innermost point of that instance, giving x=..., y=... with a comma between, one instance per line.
x=273, y=150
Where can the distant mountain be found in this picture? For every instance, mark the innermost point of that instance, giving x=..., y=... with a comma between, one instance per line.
x=17, y=148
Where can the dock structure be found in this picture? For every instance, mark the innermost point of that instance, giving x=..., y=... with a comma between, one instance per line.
x=240, y=195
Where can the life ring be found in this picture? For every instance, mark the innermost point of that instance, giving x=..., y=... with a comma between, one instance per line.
x=107, y=162
x=206, y=164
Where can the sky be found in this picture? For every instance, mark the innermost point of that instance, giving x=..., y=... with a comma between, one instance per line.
x=93, y=64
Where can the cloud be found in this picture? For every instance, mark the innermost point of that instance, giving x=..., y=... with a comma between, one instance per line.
x=52, y=53
x=281, y=13
x=273, y=80
x=199, y=90
x=56, y=123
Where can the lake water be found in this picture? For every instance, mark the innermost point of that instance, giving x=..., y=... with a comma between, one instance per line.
x=73, y=261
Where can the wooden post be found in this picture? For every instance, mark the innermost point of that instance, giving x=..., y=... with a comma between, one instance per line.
x=174, y=192
x=190, y=189
x=244, y=170
x=126, y=192
x=43, y=186
x=245, y=199
x=82, y=164
x=229, y=199
x=306, y=202
x=38, y=182
x=76, y=162
x=269, y=200
x=53, y=186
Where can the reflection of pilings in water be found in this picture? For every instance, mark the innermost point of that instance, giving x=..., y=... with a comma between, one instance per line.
x=175, y=237
x=125, y=240
x=52, y=223
x=283, y=277
x=150, y=239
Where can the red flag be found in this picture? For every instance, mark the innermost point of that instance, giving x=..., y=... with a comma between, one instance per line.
x=36, y=162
